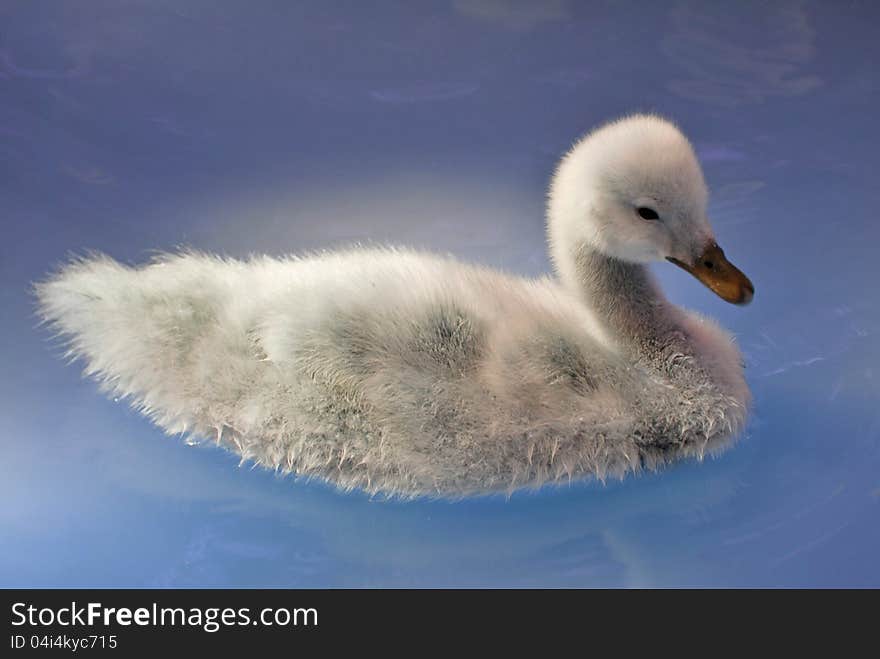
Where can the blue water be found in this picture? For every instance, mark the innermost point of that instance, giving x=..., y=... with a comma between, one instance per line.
x=235, y=127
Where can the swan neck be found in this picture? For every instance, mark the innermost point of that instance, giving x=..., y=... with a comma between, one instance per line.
x=624, y=296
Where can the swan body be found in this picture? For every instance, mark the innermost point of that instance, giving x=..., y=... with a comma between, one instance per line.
x=409, y=373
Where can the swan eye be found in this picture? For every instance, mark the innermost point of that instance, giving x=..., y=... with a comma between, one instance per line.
x=647, y=213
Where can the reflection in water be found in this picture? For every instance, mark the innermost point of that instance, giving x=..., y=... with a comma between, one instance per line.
x=728, y=62
x=142, y=129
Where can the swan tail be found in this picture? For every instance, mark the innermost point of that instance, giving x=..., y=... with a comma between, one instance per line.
x=85, y=303
x=160, y=336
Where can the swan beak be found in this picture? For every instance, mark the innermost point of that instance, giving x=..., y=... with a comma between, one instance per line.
x=720, y=275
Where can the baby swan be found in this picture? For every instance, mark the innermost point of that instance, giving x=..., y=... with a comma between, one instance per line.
x=412, y=374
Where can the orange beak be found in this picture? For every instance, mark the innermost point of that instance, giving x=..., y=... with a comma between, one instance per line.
x=720, y=275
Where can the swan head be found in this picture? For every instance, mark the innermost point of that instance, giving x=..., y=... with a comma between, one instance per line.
x=633, y=190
